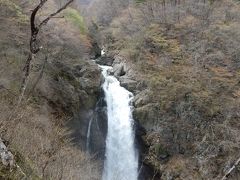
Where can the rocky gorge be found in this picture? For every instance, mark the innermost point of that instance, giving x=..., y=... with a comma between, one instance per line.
x=181, y=63
x=184, y=79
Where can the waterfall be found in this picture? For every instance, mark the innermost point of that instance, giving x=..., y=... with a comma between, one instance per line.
x=88, y=135
x=121, y=158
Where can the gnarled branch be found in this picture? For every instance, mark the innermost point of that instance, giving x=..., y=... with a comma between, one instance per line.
x=34, y=47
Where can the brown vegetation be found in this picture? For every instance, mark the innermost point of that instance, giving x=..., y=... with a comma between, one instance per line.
x=187, y=53
x=36, y=132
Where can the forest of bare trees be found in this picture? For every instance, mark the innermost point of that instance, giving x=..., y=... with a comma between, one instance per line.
x=34, y=131
x=179, y=57
x=187, y=53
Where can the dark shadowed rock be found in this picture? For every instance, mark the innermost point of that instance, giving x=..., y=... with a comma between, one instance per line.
x=95, y=51
x=98, y=130
x=105, y=60
x=73, y=88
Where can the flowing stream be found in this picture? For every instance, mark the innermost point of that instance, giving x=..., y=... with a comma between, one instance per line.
x=88, y=135
x=121, y=158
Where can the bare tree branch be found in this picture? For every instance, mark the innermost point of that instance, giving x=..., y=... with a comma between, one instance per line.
x=34, y=29
x=231, y=169
x=34, y=47
x=3, y=87
x=45, y=21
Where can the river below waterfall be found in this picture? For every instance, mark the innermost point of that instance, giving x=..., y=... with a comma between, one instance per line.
x=121, y=157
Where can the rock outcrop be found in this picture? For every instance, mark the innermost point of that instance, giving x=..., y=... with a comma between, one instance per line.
x=6, y=156
x=76, y=91
x=105, y=60
x=71, y=88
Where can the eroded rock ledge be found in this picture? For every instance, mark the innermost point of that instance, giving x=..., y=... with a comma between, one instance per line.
x=6, y=155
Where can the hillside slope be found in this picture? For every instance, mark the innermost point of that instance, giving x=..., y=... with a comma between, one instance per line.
x=62, y=89
x=182, y=61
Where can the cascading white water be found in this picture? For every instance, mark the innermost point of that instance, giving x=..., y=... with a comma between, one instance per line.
x=121, y=161
x=88, y=135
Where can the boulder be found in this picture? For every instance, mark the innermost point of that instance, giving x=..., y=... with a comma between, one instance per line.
x=147, y=115
x=128, y=83
x=105, y=60
x=118, y=70
x=6, y=156
x=141, y=99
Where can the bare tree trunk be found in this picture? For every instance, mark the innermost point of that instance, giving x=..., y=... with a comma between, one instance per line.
x=34, y=47
x=26, y=77
x=39, y=76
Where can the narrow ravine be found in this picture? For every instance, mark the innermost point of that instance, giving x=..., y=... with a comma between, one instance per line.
x=121, y=157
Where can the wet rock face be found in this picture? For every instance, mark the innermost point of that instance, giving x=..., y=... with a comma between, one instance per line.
x=95, y=51
x=94, y=121
x=71, y=89
x=98, y=131
x=105, y=60
x=74, y=90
